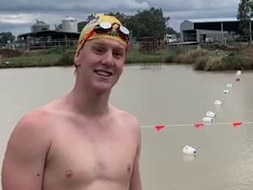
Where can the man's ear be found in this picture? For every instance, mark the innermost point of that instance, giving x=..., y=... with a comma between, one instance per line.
x=76, y=60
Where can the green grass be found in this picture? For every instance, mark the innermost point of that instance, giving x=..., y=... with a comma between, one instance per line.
x=136, y=57
x=162, y=56
x=200, y=59
x=38, y=60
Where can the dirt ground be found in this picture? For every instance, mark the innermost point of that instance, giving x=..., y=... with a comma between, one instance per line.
x=247, y=51
x=10, y=53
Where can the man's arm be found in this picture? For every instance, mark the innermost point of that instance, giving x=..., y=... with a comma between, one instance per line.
x=23, y=165
x=135, y=183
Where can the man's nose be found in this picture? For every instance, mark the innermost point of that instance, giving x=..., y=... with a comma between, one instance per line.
x=107, y=59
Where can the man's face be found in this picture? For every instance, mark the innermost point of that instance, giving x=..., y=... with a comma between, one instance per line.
x=101, y=63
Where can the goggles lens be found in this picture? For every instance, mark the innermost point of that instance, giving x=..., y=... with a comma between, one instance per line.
x=124, y=30
x=121, y=31
x=105, y=25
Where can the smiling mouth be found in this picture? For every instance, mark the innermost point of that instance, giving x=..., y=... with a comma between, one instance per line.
x=103, y=73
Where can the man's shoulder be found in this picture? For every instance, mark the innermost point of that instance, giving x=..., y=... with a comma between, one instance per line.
x=129, y=122
x=126, y=116
x=35, y=119
x=30, y=129
x=41, y=115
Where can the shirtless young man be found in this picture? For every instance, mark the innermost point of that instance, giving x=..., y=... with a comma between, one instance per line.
x=80, y=142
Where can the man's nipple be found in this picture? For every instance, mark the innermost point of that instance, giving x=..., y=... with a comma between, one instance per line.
x=69, y=173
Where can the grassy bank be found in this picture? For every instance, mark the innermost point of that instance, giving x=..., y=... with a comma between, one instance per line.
x=201, y=59
x=52, y=57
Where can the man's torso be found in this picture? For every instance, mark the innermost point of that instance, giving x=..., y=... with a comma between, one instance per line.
x=91, y=154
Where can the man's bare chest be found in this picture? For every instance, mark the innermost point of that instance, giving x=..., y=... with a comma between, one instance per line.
x=88, y=155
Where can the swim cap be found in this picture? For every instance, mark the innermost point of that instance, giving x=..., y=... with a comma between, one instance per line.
x=104, y=26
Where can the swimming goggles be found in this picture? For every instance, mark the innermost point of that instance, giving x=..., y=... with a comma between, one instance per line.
x=107, y=27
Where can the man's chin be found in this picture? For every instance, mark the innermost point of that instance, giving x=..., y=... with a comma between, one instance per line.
x=102, y=88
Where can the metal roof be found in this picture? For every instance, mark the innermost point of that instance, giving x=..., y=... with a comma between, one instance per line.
x=227, y=19
x=48, y=33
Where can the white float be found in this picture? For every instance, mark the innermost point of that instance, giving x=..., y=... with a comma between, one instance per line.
x=210, y=114
x=218, y=102
x=226, y=91
x=238, y=72
x=229, y=85
x=207, y=119
x=189, y=150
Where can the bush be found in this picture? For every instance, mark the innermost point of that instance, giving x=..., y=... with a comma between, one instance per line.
x=212, y=63
x=183, y=58
x=66, y=59
x=232, y=62
x=169, y=58
x=190, y=57
x=197, y=53
x=200, y=63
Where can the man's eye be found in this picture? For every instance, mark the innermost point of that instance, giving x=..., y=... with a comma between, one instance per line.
x=99, y=50
x=118, y=54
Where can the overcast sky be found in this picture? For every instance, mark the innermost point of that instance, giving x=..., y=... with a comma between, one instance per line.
x=17, y=16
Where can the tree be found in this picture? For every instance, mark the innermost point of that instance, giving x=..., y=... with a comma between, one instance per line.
x=148, y=23
x=145, y=23
x=6, y=37
x=244, y=15
x=170, y=30
x=90, y=17
x=81, y=25
x=121, y=16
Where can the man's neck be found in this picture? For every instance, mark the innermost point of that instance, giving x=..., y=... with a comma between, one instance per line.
x=89, y=102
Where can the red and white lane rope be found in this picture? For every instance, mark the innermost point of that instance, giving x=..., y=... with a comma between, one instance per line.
x=209, y=118
x=200, y=125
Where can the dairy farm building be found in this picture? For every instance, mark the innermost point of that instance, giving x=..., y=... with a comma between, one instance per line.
x=209, y=30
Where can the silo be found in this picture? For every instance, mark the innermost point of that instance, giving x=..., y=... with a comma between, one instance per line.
x=69, y=24
x=40, y=26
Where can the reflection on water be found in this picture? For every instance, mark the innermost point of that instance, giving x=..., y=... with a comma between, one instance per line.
x=170, y=95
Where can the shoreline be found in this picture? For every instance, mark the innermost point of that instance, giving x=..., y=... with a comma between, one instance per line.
x=199, y=59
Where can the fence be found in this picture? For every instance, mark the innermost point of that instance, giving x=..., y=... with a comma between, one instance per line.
x=40, y=45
